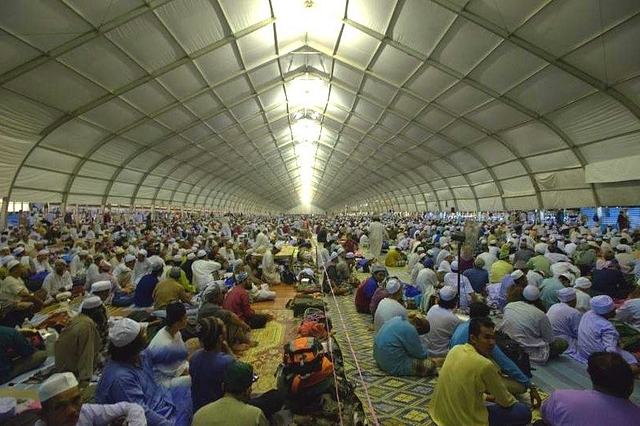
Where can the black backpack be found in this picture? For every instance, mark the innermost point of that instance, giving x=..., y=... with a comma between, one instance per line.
x=288, y=277
x=515, y=352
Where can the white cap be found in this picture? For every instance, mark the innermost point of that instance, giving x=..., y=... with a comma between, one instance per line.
x=393, y=285
x=531, y=293
x=517, y=274
x=18, y=250
x=177, y=258
x=123, y=331
x=142, y=252
x=129, y=258
x=12, y=264
x=202, y=253
x=566, y=294
x=100, y=286
x=90, y=302
x=454, y=266
x=191, y=256
x=447, y=293
x=56, y=384
x=582, y=282
x=63, y=296
x=43, y=252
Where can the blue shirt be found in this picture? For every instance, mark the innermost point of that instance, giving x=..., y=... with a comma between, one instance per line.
x=207, y=370
x=12, y=341
x=478, y=277
x=133, y=383
x=370, y=287
x=508, y=367
x=143, y=296
x=507, y=283
x=396, y=345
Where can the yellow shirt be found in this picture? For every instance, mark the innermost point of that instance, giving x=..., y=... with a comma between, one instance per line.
x=458, y=398
x=499, y=269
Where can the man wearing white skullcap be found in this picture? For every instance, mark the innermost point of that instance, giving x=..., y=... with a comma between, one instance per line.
x=127, y=376
x=142, y=266
x=203, y=270
x=62, y=406
x=390, y=306
x=58, y=280
x=80, y=341
x=583, y=298
x=467, y=294
x=530, y=327
x=143, y=296
x=597, y=334
x=565, y=318
x=442, y=321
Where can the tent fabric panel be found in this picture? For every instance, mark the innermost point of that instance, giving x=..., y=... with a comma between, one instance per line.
x=562, y=179
x=129, y=176
x=40, y=180
x=555, y=161
x=118, y=201
x=13, y=153
x=113, y=151
x=490, y=204
x=486, y=190
x=492, y=151
x=532, y=138
x=47, y=159
x=35, y=195
x=567, y=198
x=508, y=170
x=596, y=117
x=70, y=92
x=521, y=203
x=83, y=185
x=517, y=187
x=75, y=136
x=467, y=205
x=194, y=23
x=84, y=200
x=121, y=189
x=146, y=192
x=617, y=147
x=113, y=115
x=626, y=169
x=97, y=170
x=22, y=117
x=610, y=194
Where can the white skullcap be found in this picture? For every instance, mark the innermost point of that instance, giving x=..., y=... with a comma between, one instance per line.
x=202, y=253
x=64, y=295
x=90, y=302
x=100, y=286
x=430, y=252
x=43, y=252
x=340, y=250
x=517, y=274
x=566, y=294
x=56, y=384
x=602, y=305
x=582, y=282
x=447, y=293
x=419, y=249
x=334, y=255
x=393, y=285
x=142, y=252
x=18, y=250
x=540, y=248
x=531, y=293
x=492, y=242
x=119, y=250
x=129, y=258
x=156, y=262
x=350, y=255
x=191, y=256
x=177, y=258
x=12, y=264
x=123, y=331
x=454, y=266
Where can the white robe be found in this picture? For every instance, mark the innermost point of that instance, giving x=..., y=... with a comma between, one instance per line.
x=376, y=235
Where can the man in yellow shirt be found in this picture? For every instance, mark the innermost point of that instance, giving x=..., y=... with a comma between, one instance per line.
x=466, y=376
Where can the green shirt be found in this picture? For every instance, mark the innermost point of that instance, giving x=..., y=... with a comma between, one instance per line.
x=229, y=411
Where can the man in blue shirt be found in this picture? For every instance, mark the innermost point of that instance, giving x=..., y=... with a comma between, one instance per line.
x=478, y=276
x=397, y=349
x=516, y=382
x=143, y=297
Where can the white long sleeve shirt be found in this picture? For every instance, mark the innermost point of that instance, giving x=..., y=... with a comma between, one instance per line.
x=102, y=415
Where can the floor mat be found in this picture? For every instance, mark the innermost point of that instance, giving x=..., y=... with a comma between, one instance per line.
x=267, y=356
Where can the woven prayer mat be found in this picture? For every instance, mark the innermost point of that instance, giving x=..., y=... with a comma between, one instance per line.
x=394, y=400
x=267, y=356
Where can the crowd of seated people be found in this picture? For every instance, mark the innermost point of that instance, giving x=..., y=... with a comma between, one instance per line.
x=557, y=288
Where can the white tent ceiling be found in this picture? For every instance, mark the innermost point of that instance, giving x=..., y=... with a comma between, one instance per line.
x=424, y=105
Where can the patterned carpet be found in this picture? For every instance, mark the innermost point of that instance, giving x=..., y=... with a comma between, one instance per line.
x=395, y=401
x=266, y=357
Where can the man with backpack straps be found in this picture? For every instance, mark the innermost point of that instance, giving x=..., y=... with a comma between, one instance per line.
x=516, y=381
